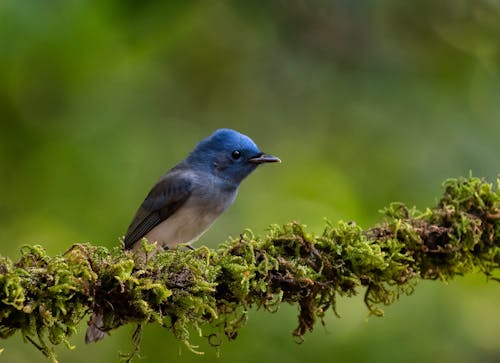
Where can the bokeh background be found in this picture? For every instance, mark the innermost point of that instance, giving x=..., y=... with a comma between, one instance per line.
x=366, y=102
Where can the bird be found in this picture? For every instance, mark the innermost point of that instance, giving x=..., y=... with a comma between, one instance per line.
x=189, y=197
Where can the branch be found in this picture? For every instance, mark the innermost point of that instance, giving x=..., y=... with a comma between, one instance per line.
x=45, y=298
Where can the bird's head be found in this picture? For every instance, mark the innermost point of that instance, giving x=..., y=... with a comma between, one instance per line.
x=228, y=154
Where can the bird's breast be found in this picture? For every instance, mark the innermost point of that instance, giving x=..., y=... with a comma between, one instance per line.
x=192, y=219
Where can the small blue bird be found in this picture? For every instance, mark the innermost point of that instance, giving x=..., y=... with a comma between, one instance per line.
x=189, y=197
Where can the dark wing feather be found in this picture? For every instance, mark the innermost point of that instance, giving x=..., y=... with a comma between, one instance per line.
x=163, y=200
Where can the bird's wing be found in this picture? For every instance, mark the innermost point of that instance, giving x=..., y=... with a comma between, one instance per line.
x=162, y=201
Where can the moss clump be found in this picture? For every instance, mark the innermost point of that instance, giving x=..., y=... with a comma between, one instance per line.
x=45, y=298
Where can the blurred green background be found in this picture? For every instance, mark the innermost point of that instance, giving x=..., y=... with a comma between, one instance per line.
x=366, y=102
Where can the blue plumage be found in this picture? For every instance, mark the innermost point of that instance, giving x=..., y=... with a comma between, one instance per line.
x=189, y=197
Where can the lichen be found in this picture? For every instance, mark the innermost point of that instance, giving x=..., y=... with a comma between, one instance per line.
x=211, y=291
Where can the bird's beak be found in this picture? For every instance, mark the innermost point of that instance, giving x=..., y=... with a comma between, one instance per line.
x=264, y=158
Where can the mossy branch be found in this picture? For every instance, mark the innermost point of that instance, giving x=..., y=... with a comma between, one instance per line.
x=45, y=298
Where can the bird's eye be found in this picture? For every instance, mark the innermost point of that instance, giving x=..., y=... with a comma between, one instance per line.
x=236, y=154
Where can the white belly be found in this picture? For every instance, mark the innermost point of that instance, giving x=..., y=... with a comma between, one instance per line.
x=184, y=226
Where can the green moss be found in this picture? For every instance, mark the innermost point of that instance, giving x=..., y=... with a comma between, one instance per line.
x=45, y=298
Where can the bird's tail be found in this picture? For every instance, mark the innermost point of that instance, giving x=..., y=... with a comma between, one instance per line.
x=95, y=330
